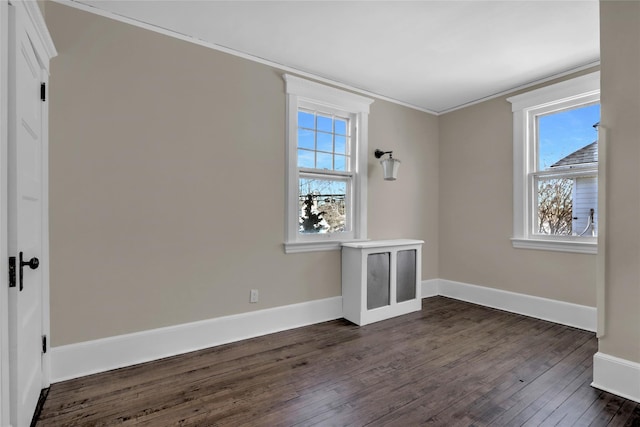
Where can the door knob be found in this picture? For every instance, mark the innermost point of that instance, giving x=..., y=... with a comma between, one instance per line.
x=33, y=263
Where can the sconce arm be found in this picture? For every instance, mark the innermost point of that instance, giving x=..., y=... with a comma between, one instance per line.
x=379, y=153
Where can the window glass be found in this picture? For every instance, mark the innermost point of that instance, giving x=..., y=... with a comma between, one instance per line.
x=326, y=159
x=566, y=200
x=306, y=139
x=555, y=203
x=322, y=141
x=341, y=127
x=340, y=163
x=340, y=146
x=325, y=142
x=322, y=201
x=322, y=205
x=306, y=120
x=565, y=132
x=556, y=134
x=306, y=159
x=325, y=123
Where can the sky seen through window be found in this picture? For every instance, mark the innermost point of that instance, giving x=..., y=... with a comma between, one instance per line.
x=562, y=133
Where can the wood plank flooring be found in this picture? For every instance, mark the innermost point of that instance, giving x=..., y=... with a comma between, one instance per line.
x=452, y=364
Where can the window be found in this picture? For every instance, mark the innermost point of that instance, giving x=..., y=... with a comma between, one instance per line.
x=556, y=166
x=326, y=166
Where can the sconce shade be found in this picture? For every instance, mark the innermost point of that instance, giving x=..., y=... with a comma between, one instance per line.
x=390, y=168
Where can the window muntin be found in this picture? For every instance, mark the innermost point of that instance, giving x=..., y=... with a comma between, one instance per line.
x=326, y=161
x=530, y=172
x=324, y=170
x=323, y=141
x=565, y=173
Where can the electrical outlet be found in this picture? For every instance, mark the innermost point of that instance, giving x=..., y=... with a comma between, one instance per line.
x=253, y=297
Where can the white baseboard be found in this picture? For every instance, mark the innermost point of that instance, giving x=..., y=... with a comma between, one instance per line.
x=564, y=313
x=617, y=376
x=430, y=288
x=90, y=357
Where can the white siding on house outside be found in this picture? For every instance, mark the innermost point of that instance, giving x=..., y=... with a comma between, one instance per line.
x=585, y=198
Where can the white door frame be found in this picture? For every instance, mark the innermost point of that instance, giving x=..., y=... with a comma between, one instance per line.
x=43, y=45
x=4, y=274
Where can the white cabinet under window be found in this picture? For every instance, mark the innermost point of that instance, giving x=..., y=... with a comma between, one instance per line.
x=381, y=279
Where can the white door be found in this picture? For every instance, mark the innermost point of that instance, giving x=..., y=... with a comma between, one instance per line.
x=25, y=204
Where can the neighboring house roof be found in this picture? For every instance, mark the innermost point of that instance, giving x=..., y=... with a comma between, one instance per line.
x=586, y=154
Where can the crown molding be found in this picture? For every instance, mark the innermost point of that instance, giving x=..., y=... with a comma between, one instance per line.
x=224, y=49
x=107, y=14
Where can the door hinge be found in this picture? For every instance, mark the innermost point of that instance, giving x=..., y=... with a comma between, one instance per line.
x=44, y=344
x=12, y=272
x=43, y=91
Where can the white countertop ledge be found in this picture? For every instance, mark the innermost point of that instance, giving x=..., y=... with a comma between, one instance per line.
x=382, y=243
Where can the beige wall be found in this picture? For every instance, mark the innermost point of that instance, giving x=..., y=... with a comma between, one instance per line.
x=476, y=213
x=620, y=62
x=167, y=187
x=167, y=183
x=408, y=207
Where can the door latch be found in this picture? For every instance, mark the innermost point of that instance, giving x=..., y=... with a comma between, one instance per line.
x=33, y=263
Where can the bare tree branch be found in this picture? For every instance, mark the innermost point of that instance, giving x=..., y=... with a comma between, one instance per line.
x=555, y=206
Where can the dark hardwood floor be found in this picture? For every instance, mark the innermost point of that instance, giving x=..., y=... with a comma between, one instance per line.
x=452, y=364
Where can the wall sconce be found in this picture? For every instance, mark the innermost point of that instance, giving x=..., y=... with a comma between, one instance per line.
x=390, y=165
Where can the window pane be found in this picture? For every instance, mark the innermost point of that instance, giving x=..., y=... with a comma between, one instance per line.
x=306, y=159
x=306, y=120
x=324, y=161
x=325, y=142
x=325, y=123
x=341, y=144
x=568, y=139
x=562, y=136
x=555, y=206
x=305, y=139
x=322, y=205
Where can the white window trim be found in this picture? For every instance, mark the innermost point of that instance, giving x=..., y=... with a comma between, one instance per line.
x=298, y=92
x=525, y=107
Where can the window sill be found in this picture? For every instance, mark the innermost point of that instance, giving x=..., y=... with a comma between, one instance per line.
x=556, y=245
x=298, y=247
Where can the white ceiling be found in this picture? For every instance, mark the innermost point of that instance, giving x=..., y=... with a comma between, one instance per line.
x=433, y=55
